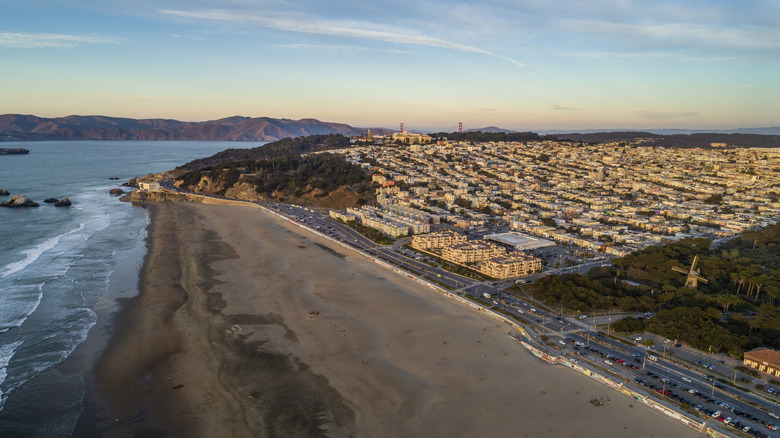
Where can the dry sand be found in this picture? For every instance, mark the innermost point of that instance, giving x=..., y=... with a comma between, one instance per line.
x=220, y=343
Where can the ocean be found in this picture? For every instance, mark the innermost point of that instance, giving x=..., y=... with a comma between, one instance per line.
x=56, y=263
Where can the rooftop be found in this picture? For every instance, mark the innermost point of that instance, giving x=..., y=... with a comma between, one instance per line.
x=519, y=241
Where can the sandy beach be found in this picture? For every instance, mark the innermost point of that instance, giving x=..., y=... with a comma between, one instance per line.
x=220, y=342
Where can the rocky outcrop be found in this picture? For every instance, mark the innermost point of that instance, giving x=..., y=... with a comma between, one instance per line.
x=116, y=192
x=4, y=192
x=132, y=183
x=19, y=201
x=50, y=200
x=64, y=202
x=159, y=196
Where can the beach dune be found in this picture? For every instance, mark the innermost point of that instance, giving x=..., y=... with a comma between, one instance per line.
x=246, y=325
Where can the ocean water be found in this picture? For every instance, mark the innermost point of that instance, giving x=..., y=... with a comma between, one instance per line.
x=57, y=262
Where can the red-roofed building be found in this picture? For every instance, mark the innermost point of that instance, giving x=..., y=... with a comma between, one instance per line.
x=764, y=360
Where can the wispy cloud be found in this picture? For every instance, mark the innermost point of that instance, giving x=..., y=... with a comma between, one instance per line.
x=665, y=115
x=50, y=40
x=144, y=98
x=739, y=87
x=564, y=108
x=357, y=30
x=322, y=47
x=680, y=34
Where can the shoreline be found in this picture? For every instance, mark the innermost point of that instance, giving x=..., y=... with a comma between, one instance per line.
x=219, y=342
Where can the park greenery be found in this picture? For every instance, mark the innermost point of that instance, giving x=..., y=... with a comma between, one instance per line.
x=279, y=171
x=284, y=148
x=733, y=312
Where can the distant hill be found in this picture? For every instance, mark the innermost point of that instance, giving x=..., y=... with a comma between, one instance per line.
x=17, y=127
x=772, y=130
x=693, y=140
x=492, y=129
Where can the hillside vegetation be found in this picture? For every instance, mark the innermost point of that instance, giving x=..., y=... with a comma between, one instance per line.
x=278, y=171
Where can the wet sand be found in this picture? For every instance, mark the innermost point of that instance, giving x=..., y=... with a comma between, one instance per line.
x=220, y=342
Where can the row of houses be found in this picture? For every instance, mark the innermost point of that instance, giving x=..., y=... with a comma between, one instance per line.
x=384, y=221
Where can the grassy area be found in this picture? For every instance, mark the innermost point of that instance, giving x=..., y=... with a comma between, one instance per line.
x=374, y=235
x=748, y=371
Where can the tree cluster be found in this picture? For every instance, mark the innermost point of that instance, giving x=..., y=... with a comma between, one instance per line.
x=287, y=147
x=283, y=177
x=733, y=312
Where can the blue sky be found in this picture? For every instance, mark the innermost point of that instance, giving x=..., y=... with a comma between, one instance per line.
x=516, y=64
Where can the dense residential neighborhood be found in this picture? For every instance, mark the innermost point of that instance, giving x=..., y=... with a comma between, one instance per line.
x=613, y=198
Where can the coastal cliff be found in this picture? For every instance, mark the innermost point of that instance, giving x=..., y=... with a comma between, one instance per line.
x=159, y=196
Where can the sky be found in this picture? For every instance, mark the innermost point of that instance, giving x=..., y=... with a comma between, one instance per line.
x=516, y=64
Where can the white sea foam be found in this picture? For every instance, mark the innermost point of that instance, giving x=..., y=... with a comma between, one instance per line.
x=32, y=254
x=6, y=353
x=18, y=304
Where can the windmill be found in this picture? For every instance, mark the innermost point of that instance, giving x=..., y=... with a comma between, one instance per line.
x=694, y=275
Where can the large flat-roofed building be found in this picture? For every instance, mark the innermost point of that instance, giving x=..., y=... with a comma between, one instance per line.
x=150, y=186
x=511, y=265
x=764, y=360
x=346, y=217
x=438, y=240
x=519, y=241
x=471, y=252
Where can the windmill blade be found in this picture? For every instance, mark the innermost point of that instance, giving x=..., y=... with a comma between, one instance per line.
x=701, y=280
x=680, y=270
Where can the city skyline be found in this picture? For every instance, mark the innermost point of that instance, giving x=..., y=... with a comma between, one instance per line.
x=526, y=65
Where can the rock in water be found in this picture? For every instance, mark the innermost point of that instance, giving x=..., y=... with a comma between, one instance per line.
x=50, y=200
x=116, y=192
x=19, y=201
x=4, y=192
x=64, y=202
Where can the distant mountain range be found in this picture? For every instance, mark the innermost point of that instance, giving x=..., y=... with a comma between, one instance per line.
x=492, y=129
x=17, y=127
x=773, y=130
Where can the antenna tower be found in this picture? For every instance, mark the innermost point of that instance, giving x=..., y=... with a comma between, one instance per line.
x=460, y=127
x=402, y=127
